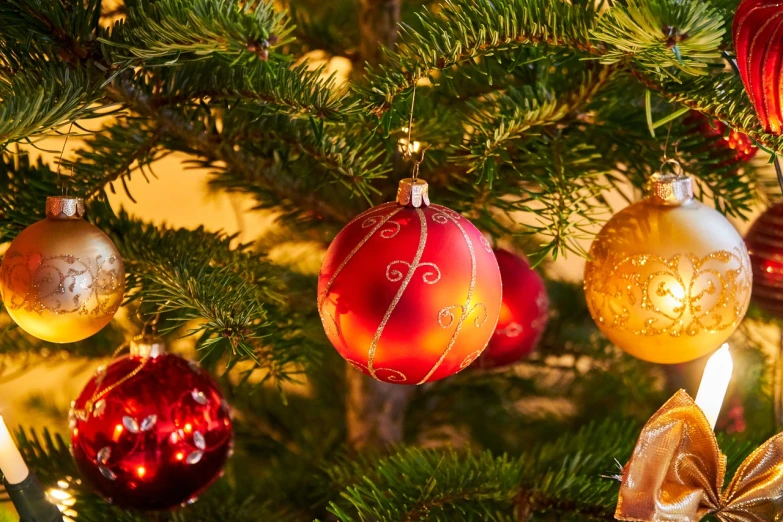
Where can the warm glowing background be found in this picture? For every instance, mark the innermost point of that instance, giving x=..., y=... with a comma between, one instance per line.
x=36, y=391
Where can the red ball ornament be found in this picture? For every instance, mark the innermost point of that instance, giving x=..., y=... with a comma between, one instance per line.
x=409, y=292
x=150, y=431
x=523, y=313
x=765, y=246
x=735, y=146
x=758, y=42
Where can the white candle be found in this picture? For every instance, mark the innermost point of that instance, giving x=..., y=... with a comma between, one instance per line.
x=11, y=462
x=714, y=384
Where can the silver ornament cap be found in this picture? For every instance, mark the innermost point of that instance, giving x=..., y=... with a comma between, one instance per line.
x=147, y=347
x=413, y=192
x=64, y=207
x=671, y=189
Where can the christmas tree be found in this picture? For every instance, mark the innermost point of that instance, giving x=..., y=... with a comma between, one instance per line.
x=534, y=121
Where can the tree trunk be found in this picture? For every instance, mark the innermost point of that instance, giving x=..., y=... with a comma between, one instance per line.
x=378, y=21
x=375, y=410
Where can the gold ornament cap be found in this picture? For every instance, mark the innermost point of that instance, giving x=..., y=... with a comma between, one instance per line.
x=671, y=189
x=147, y=346
x=64, y=207
x=413, y=192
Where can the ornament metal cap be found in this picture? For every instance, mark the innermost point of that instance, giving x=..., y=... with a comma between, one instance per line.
x=413, y=192
x=64, y=207
x=147, y=346
x=671, y=189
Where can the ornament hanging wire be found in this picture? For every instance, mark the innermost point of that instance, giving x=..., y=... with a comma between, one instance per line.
x=407, y=153
x=64, y=188
x=150, y=327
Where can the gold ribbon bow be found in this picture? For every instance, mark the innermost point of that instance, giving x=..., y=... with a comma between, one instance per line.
x=676, y=473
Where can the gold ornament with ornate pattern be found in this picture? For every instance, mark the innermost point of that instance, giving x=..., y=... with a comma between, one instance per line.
x=668, y=278
x=62, y=279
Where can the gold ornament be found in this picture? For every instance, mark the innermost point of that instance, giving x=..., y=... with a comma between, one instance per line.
x=677, y=472
x=669, y=278
x=62, y=279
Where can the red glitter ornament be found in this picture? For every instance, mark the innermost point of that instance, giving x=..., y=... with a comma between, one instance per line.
x=523, y=314
x=765, y=246
x=735, y=146
x=758, y=42
x=150, y=431
x=409, y=292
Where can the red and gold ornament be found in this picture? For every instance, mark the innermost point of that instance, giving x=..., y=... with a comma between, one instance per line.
x=150, y=431
x=409, y=292
x=765, y=246
x=758, y=42
x=735, y=146
x=523, y=313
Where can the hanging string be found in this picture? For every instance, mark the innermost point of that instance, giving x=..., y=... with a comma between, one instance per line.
x=407, y=153
x=63, y=188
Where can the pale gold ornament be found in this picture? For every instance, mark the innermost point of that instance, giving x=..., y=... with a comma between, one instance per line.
x=62, y=279
x=669, y=278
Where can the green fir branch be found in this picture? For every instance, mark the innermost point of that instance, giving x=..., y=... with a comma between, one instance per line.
x=662, y=34
x=164, y=32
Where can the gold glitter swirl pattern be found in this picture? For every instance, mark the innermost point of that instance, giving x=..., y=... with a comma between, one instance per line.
x=681, y=295
x=470, y=359
x=387, y=233
x=512, y=330
x=332, y=329
x=394, y=375
x=415, y=262
x=448, y=214
x=54, y=279
x=429, y=277
x=485, y=244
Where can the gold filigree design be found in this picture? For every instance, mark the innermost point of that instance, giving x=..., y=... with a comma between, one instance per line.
x=415, y=262
x=448, y=214
x=444, y=215
x=467, y=361
x=681, y=295
x=394, y=375
x=446, y=315
x=322, y=298
x=512, y=330
x=62, y=275
x=429, y=277
x=385, y=234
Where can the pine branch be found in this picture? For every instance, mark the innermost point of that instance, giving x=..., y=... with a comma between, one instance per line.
x=299, y=91
x=660, y=35
x=502, y=119
x=113, y=154
x=163, y=32
x=464, y=30
x=33, y=103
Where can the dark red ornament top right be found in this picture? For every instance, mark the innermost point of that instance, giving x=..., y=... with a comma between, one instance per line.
x=758, y=43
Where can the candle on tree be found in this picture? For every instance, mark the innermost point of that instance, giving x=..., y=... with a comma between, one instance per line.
x=714, y=384
x=11, y=462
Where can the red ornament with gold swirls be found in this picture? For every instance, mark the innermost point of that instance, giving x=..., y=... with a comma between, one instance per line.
x=409, y=292
x=523, y=314
x=765, y=245
x=758, y=42
x=151, y=430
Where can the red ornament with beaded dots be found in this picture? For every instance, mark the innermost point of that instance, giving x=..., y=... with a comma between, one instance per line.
x=150, y=435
